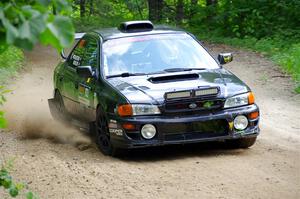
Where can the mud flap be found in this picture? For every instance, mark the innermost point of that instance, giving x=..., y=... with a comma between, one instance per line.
x=63, y=117
x=55, y=112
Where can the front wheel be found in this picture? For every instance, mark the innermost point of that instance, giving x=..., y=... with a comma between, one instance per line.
x=102, y=136
x=241, y=142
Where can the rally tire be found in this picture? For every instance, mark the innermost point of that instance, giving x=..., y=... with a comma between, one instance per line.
x=102, y=136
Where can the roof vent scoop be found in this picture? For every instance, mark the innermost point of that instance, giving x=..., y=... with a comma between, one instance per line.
x=136, y=26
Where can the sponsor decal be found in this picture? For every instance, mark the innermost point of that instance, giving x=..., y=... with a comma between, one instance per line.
x=84, y=93
x=82, y=43
x=227, y=59
x=230, y=125
x=112, y=125
x=76, y=60
x=87, y=92
x=208, y=104
x=118, y=132
x=81, y=89
x=76, y=63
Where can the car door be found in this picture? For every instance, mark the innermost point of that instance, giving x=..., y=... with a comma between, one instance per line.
x=86, y=86
x=70, y=80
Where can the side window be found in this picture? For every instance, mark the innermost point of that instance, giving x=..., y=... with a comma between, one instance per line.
x=85, y=53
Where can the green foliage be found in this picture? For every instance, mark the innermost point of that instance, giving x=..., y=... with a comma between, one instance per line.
x=2, y=100
x=14, y=189
x=290, y=60
x=257, y=19
x=2, y=120
x=58, y=33
x=108, y=14
x=23, y=23
x=267, y=26
x=11, y=60
x=283, y=52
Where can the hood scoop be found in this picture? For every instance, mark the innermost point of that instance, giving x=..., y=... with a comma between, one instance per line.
x=173, y=78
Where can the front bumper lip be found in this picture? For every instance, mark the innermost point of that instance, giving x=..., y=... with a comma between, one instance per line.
x=227, y=114
x=149, y=143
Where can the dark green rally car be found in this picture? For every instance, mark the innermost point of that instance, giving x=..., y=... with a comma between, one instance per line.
x=141, y=86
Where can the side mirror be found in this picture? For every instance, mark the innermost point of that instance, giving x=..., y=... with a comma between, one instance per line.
x=225, y=58
x=62, y=54
x=85, y=71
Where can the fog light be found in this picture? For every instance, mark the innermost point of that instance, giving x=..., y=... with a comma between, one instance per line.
x=240, y=122
x=148, y=131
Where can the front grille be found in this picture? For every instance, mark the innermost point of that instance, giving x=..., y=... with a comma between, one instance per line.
x=192, y=106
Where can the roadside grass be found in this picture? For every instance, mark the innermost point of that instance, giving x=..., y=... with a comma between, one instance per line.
x=282, y=51
x=11, y=60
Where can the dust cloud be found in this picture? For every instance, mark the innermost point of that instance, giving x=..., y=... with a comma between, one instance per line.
x=27, y=108
x=39, y=126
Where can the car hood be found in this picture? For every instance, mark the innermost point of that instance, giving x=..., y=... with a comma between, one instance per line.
x=140, y=89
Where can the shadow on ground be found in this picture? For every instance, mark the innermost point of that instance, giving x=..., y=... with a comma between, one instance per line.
x=171, y=152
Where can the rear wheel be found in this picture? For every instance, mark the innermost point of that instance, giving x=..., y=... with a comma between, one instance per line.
x=241, y=142
x=102, y=136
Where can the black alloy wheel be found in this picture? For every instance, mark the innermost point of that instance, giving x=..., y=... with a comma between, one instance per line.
x=102, y=136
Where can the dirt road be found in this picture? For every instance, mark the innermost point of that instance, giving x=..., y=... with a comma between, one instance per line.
x=270, y=169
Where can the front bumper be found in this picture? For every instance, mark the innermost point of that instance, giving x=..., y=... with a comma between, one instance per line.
x=179, y=129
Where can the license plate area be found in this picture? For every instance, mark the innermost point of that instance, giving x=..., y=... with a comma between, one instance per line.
x=195, y=130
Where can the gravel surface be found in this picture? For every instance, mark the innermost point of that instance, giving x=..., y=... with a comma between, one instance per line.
x=55, y=166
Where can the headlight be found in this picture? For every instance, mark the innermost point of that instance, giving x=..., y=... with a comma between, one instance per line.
x=239, y=100
x=137, y=109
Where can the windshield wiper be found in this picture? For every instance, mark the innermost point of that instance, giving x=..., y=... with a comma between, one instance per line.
x=182, y=69
x=125, y=75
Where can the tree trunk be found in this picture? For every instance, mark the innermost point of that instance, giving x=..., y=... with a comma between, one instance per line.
x=82, y=8
x=212, y=8
x=139, y=9
x=194, y=2
x=179, y=12
x=155, y=10
x=193, y=8
x=211, y=2
x=54, y=10
x=91, y=7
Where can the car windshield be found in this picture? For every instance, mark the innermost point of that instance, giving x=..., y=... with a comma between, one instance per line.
x=154, y=53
